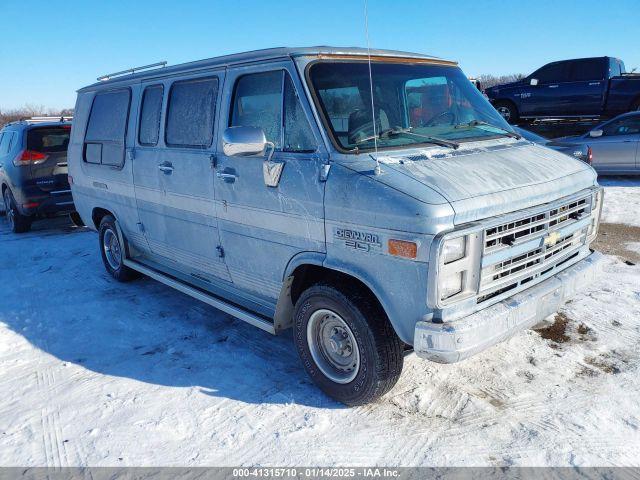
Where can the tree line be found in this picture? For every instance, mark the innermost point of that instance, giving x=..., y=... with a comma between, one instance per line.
x=28, y=111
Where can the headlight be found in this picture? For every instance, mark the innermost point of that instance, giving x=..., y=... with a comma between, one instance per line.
x=596, y=209
x=458, y=267
x=450, y=285
x=453, y=249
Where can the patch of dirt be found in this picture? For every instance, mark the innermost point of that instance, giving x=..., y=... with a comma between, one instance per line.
x=556, y=332
x=583, y=329
x=613, y=239
x=609, y=362
x=586, y=333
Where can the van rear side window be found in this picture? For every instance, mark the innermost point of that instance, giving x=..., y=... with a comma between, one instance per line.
x=107, y=128
x=150, y=113
x=191, y=112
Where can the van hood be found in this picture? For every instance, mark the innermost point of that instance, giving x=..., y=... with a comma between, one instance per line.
x=485, y=179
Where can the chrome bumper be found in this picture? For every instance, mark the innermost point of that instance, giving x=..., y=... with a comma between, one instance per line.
x=460, y=339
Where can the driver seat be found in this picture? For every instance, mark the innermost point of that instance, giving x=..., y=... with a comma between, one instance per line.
x=360, y=124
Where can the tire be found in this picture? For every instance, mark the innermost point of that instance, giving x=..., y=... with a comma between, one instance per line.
x=508, y=110
x=361, y=356
x=17, y=222
x=112, y=252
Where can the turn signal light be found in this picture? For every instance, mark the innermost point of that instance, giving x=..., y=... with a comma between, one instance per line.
x=589, y=156
x=401, y=248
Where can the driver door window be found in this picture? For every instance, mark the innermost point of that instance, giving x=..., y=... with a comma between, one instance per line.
x=624, y=126
x=258, y=103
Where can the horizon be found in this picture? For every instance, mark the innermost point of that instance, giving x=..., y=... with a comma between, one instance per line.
x=112, y=39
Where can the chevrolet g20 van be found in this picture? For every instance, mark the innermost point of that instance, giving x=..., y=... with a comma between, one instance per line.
x=270, y=185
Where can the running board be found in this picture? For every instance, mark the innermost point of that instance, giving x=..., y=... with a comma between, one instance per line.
x=233, y=310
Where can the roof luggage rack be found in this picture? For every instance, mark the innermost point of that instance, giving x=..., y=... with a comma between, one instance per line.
x=54, y=118
x=131, y=71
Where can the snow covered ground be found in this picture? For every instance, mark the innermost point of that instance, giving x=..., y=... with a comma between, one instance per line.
x=93, y=372
x=622, y=204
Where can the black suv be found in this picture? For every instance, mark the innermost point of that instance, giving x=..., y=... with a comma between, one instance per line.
x=33, y=170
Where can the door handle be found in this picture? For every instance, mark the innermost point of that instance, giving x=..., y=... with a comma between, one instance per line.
x=227, y=177
x=166, y=168
x=553, y=86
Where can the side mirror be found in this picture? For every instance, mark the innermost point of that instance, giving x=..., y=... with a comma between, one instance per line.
x=595, y=133
x=251, y=142
x=244, y=142
x=533, y=82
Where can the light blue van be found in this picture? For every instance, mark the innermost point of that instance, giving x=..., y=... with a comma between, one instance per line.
x=271, y=185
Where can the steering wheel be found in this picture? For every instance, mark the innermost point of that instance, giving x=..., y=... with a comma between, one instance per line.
x=439, y=119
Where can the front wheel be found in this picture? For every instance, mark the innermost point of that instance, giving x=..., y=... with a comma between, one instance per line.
x=113, y=252
x=508, y=110
x=346, y=344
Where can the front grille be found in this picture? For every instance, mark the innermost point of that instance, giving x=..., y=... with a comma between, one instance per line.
x=555, y=236
x=507, y=234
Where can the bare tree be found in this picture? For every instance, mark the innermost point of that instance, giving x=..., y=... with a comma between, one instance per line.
x=29, y=111
x=488, y=80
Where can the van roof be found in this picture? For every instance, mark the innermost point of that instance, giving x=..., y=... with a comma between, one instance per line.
x=263, y=55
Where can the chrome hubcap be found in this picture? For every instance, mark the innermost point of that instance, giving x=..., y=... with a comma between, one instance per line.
x=505, y=112
x=111, y=246
x=333, y=346
x=9, y=209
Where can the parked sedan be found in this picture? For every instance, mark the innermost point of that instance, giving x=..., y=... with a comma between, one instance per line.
x=611, y=147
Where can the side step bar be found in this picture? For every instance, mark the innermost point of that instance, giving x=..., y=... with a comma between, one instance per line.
x=216, y=302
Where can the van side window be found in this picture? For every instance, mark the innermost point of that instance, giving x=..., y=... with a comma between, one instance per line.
x=150, y=112
x=191, y=112
x=297, y=131
x=258, y=103
x=107, y=127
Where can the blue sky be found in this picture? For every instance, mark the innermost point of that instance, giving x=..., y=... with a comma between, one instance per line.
x=49, y=49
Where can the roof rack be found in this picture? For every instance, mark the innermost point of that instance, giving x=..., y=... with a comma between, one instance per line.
x=131, y=71
x=55, y=118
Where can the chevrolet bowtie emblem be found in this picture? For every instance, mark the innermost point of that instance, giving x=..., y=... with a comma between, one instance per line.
x=551, y=239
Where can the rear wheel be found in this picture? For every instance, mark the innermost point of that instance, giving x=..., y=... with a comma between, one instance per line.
x=508, y=110
x=346, y=344
x=17, y=222
x=112, y=251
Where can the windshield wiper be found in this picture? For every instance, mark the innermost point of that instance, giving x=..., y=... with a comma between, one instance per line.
x=391, y=132
x=480, y=123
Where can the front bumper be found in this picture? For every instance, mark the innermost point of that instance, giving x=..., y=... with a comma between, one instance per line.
x=460, y=339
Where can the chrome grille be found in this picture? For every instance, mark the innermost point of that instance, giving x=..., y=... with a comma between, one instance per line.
x=555, y=236
x=507, y=234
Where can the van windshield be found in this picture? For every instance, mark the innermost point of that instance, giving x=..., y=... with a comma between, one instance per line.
x=414, y=104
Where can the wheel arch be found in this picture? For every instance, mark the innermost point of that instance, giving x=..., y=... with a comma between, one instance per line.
x=311, y=269
x=97, y=214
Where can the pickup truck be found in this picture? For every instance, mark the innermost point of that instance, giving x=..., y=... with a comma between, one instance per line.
x=582, y=88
